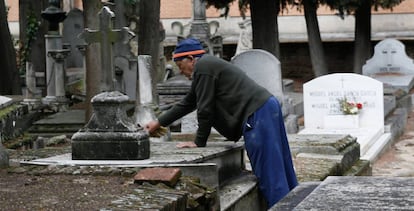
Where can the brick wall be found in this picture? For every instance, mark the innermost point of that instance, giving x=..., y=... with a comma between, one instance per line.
x=183, y=8
x=13, y=14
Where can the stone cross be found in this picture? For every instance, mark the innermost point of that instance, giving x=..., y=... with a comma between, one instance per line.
x=106, y=36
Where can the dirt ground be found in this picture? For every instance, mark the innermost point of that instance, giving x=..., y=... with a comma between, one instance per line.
x=60, y=192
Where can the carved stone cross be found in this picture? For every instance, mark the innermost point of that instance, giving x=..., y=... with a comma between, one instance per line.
x=106, y=36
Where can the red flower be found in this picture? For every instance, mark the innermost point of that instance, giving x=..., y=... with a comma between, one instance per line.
x=359, y=105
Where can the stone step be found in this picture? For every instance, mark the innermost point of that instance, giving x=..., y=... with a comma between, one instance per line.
x=66, y=122
x=70, y=117
x=241, y=193
x=300, y=192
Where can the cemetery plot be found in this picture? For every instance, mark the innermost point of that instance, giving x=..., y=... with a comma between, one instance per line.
x=346, y=103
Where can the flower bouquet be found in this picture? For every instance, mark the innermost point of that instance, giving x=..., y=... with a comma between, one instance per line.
x=349, y=107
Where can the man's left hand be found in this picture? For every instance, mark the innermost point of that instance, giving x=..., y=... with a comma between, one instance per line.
x=189, y=144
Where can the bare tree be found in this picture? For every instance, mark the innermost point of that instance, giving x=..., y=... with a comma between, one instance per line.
x=9, y=80
x=316, y=50
x=362, y=12
x=149, y=35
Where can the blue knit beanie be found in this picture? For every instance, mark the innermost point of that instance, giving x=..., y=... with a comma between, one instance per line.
x=188, y=47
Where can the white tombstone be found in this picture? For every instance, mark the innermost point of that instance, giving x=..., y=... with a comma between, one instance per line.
x=323, y=113
x=263, y=68
x=391, y=65
x=146, y=97
x=5, y=101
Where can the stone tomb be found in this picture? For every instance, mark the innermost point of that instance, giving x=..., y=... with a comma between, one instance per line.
x=323, y=114
x=356, y=193
x=391, y=65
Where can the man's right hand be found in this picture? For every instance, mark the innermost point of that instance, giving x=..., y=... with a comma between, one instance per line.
x=152, y=126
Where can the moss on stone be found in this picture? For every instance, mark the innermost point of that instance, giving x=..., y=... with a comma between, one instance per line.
x=5, y=111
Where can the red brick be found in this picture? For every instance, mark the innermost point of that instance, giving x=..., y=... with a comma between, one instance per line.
x=168, y=176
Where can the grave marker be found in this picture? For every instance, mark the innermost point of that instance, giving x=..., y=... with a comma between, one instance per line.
x=72, y=26
x=263, y=68
x=106, y=36
x=323, y=113
x=110, y=133
x=391, y=65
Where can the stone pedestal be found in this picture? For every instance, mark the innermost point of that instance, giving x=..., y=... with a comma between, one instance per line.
x=53, y=42
x=58, y=68
x=110, y=134
x=58, y=102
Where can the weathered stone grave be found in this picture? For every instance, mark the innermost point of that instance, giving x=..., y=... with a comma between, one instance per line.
x=353, y=193
x=391, y=65
x=110, y=134
x=72, y=26
x=125, y=56
x=106, y=36
x=324, y=115
x=264, y=69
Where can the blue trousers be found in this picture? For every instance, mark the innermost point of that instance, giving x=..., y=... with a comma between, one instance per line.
x=268, y=150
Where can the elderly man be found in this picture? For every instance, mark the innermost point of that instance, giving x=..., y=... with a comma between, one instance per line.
x=232, y=103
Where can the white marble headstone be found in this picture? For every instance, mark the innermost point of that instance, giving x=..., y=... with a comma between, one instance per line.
x=322, y=113
x=263, y=68
x=321, y=97
x=391, y=65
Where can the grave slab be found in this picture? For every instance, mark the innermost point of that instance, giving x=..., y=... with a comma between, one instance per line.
x=227, y=155
x=5, y=101
x=361, y=193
